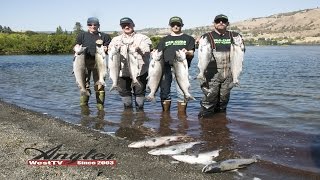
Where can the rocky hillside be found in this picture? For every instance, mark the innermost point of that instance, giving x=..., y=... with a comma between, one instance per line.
x=298, y=27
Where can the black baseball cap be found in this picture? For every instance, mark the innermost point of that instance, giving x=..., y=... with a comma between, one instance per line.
x=93, y=20
x=221, y=16
x=126, y=20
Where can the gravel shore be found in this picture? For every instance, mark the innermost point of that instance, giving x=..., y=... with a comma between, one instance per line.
x=21, y=129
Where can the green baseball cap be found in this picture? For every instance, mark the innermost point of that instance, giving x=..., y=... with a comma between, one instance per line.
x=175, y=19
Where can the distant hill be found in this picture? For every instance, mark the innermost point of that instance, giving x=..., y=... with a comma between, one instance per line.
x=297, y=27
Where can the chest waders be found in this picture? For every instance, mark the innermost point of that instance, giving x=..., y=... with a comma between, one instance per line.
x=217, y=86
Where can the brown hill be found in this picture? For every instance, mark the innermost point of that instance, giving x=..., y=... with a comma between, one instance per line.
x=297, y=27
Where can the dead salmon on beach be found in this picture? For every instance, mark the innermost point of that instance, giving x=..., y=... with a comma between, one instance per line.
x=155, y=142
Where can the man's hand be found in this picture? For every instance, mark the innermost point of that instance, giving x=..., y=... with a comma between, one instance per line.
x=189, y=53
x=105, y=48
x=76, y=49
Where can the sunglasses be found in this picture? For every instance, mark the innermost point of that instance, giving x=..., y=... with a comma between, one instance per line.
x=217, y=21
x=173, y=25
x=125, y=25
x=93, y=25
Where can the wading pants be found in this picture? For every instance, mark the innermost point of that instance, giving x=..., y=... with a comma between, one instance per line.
x=139, y=91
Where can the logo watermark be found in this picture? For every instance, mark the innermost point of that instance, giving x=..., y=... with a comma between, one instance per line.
x=53, y=157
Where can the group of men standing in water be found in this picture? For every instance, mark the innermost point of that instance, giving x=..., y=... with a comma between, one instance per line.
x=218, y=76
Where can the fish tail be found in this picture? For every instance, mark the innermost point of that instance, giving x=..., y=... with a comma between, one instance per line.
x=205, y=169
x=114, y=87
x=189, y=97
x=150, y=98
x=135, y=84
x=84, y=93
x=201, y=78
x=101, y=83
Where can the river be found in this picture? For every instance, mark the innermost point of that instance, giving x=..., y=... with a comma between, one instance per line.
x=274, y=113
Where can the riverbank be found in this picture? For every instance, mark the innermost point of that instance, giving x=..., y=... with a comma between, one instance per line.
x=21, y=129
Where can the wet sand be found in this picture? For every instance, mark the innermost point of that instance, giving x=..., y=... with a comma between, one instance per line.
x=21, y=129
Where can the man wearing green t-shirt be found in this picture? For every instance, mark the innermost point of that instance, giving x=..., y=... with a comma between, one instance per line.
x=169, y=45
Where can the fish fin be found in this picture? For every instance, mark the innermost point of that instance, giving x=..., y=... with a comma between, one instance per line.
x=232, y=85
x=167, y=143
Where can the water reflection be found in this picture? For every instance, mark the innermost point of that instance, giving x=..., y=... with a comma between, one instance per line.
x=165, y=122
x=216, y=134
x=96, y=122
x=131, y=125
x=183, y=123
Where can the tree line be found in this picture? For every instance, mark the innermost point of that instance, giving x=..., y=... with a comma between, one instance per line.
x=30, y=42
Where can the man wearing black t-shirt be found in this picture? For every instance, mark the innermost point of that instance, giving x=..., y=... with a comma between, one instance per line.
x=89, y=39
x=218, y=74
x=169, y=45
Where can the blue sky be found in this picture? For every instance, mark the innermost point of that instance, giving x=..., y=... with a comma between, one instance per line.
x=44, y=15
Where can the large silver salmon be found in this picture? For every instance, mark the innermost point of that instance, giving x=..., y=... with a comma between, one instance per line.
x=172, y=150
x=201, y=158
x=155, y=142
x=133, y=65
x=181, y=71
x=229, y=164
x=236, y=59
x=79, y=69
x=204, y=57
x=154, y=74
x=101, y=65
x=114, y=66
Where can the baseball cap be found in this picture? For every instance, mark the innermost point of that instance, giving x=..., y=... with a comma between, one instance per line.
x=175, y=19
x=221, y=16
x=93, y=20
x=126, y=20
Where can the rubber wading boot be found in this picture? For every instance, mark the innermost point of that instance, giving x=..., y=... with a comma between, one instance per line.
x=182, y=106
x=84, y=100
x=100, y=96
x=166, y=105
x=127, y=102
x=139, y=103
x=85, y=110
